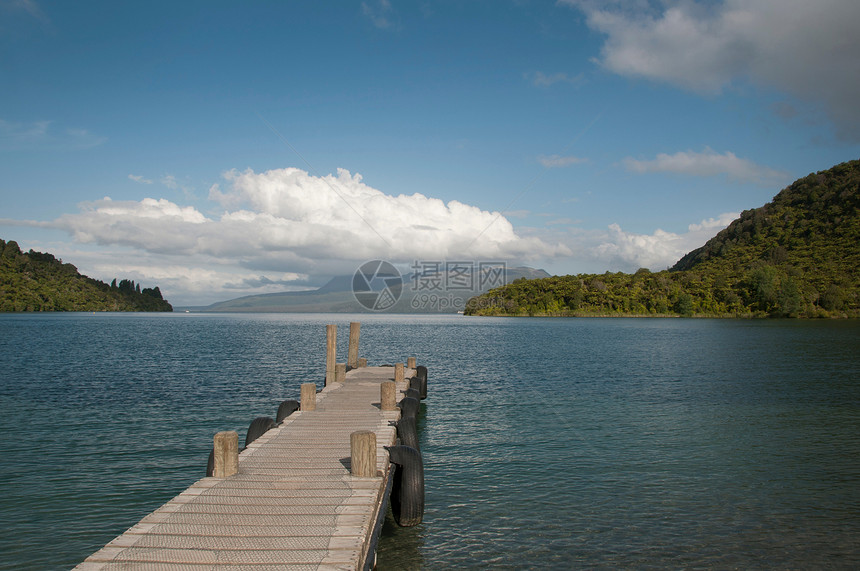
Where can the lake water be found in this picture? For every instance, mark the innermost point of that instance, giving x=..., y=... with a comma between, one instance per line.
x=548, y=443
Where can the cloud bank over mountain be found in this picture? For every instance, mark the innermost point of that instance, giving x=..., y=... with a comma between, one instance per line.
x=286, y=224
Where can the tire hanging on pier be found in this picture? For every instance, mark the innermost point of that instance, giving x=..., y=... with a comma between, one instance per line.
x=407, y=432
x=407, y=490
x=421, y=373
x=409, y=407
x=258, y=427
x=413, y=393
x=415, y=384
x=285, y=409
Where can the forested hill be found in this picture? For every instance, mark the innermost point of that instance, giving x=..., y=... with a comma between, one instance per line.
x=797, y=256
x=811, y=226
x=36, y=281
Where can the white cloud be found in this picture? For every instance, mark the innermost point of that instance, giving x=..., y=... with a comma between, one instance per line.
x=556, y=161
x=708, y=163
x=43, y=135
x=654, y=251
x=808, y=49
x=708, y=228
x=659, y=250
x=286, y=222
x=139, y=178
x=614, y=249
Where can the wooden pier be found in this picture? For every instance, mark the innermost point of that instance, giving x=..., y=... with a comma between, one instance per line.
x=295, y=500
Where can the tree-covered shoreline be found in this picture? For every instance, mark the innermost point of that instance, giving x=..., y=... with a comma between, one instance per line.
x=797, y=256
x=37, y=281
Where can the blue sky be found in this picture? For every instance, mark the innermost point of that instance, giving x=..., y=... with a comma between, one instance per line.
x=223, y=149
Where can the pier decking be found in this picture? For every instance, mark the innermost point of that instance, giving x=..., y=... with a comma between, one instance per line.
x=293, y=503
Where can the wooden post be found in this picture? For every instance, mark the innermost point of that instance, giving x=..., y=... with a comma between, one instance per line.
x=226, y=454
x=309, y=396
x=340, y=372
x=362, y=362
x=352, y=355
x=410, y=363
x=330, y=352
x=398, y=372
x=362, y=446
x=388, y=395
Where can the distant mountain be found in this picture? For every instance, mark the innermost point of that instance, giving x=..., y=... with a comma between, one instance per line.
x=798, y=255
x=430, y=292
x=36, y=281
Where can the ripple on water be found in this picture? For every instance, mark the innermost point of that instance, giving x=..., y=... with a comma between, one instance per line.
x=547, y=443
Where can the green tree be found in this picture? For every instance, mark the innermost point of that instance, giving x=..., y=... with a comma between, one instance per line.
x=790, y=300
x=684, y=305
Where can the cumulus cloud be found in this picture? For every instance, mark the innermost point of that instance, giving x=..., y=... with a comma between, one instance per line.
x=556, y=161
x=808, y=49
x=660, y=249
x=290, y=221
x=707, y=229
x=708, y=163
x=653, y=251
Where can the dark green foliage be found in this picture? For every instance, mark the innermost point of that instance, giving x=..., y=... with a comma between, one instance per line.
x=797, y=256
x=36, y=281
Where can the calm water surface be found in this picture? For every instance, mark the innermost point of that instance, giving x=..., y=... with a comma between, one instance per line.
x=566, y=443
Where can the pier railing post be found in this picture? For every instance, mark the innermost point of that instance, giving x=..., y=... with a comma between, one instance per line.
x=226, y=454
x=388, y=395
x=362, y=362
x=362, y=446
x=410, y=363
x=309, y=396
x=330, y=352
x=352, y=355
x=340, y=372
x=398, y=372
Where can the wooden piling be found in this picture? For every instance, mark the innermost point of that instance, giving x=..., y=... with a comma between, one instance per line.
x=226, y=454
x=309, y=396
x=388, y=395
x=352, y=355
x=398, y=372
x=340, y=372
x=410, y=363
x=330, y=353
x=362, y=445
x=362, y=362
